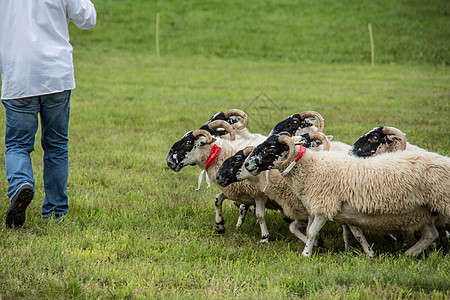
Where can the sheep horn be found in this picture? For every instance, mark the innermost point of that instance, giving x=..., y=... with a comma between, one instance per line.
x=398, y=133
x=319, y=136
x=240, y=113
x=222, y=124
x=247, y=150
x=284, y=139
x=206, y=134
x=316, y=116
x=285, y=133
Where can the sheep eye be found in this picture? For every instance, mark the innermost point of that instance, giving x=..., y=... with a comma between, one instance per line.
x=373, y=139
x=188, y=144
x=238, y=162
x=270, y=151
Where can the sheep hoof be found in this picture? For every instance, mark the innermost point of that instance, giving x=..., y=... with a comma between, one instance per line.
x=220, y=230
x=264, y=241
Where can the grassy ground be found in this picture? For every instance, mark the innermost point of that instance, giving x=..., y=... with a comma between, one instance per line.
x=408, y=31
x=136, y=229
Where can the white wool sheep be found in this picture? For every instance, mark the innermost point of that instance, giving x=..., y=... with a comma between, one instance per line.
x=385, y=139
x=196, y=148
x=402, y=189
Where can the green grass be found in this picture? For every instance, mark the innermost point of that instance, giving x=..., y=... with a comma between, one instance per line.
x=409, y=31
x=136, y=229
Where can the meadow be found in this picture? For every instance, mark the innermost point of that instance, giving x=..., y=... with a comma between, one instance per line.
x=138, y=230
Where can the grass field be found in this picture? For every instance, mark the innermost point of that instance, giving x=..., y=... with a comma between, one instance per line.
x=136, y=229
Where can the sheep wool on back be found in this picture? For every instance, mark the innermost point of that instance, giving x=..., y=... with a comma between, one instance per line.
x=386, y=184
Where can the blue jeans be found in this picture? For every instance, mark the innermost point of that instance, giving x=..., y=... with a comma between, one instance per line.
x=21, y=127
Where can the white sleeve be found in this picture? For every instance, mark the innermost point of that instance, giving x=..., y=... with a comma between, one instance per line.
x=82, y=13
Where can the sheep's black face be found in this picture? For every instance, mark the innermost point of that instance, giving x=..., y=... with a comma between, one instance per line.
x=266, y=155
x=306, y=141
x=230, y=169
x=368, y=144
x=178, y=154
x=291, y=125
x=220, y=116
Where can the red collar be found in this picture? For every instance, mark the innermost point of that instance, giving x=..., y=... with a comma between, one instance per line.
x=213, y=154
x=301, y=151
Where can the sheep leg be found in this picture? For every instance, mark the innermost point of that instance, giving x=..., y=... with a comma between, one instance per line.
x=359, y=235
x=243, y=209
x=293, y=227
x=428, y=235
x=310, y=220
x=400, y=241
x=220, y=228
x=260, y=216
x=312, y=233
x=346, y=237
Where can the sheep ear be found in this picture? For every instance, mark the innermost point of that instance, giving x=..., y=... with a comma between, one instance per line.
x=329, y=137
x=393, y=137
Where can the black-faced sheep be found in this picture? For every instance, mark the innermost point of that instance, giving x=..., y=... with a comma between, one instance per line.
x=199, y=148
x=396, y=192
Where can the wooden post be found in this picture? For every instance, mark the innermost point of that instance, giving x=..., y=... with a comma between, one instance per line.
x=372, y=47
x=157, y=35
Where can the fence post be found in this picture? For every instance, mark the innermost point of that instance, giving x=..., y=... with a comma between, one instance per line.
x=157, y=35
x=372, y=47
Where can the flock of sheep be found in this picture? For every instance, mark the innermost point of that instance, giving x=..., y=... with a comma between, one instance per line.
x=381, y=183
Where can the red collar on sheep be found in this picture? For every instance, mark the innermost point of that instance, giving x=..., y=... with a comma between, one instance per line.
x=213, y=154
x=301, y=151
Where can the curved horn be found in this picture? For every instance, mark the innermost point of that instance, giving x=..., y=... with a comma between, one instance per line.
x=222, y=124
x=247, y=150
x=285, y=133
x=284, y=139
x=319, y=136
x=206, y=134
x=316, y=116
x=398, y=133
x=240, y=113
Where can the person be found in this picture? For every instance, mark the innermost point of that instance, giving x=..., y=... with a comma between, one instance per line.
x=37, y=78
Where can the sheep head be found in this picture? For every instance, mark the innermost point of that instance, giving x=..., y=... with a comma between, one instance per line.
x=183, y=152
x=231, y=116
x=299, y=123
x=232, y=169
x=269, y=154
x=379, y=140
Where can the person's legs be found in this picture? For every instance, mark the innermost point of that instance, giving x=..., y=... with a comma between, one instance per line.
x=55, y=111
x=21, y=126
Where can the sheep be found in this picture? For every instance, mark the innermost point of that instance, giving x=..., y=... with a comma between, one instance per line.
x=195, y=148
x=383, y=139
x=270, y=183
x=273, y=185
x=396, y=192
